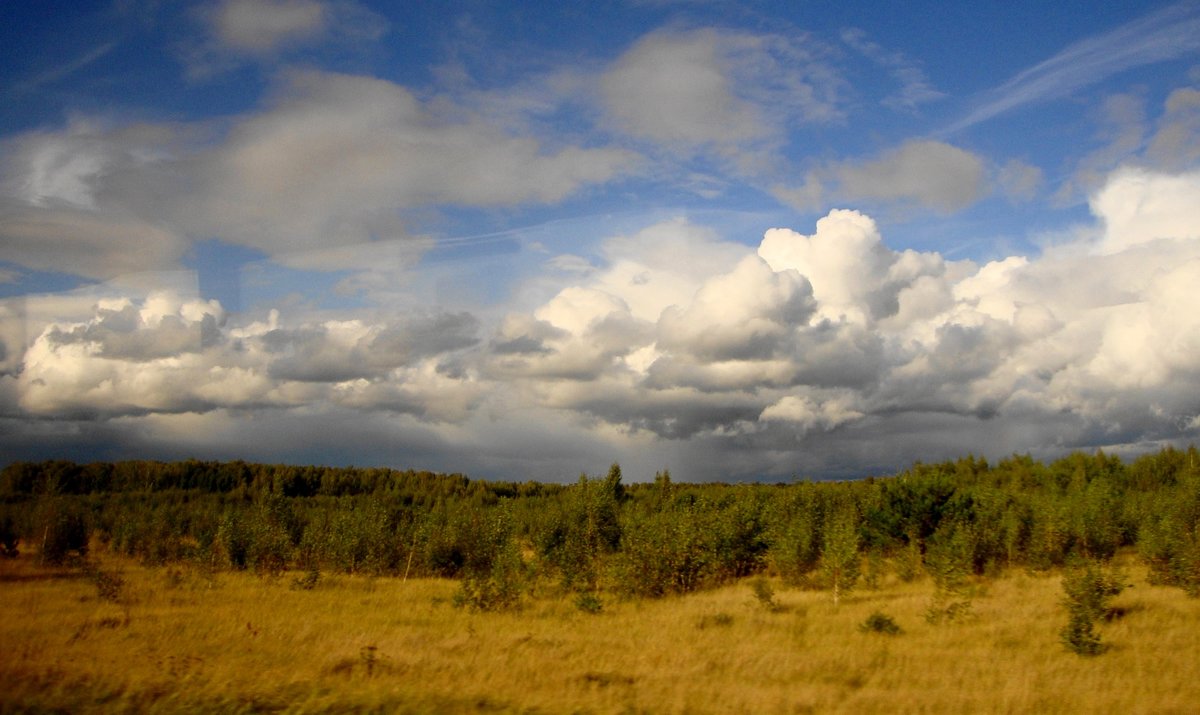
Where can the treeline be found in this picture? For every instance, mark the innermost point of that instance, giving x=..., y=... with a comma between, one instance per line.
x=601, y=536
x=242, y=478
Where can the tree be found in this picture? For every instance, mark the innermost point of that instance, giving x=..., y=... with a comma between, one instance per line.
x=586, y=529
x=1089, y=588
x=839, y=551
x=949, y=562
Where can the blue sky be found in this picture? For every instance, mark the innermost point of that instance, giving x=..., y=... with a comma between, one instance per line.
x=735, y=240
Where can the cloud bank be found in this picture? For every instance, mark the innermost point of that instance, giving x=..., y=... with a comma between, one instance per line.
x=814, y=352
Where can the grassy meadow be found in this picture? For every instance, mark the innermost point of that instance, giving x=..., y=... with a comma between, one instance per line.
x=131, y=638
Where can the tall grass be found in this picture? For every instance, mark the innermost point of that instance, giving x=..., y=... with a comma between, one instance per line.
x=183, y=640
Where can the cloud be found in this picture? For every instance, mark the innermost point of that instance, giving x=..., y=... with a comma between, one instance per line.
x=86, y=243
x=915, y=88
x=746, y=314
x=1176, y=144
x=1162, y=35
x=826, y=353
x=835, y=334
x=321, y=177
x=259, y=26
x=1018, y=180
x=67, y=69
x=72, y=200
x=336, y=158
x=855, y=277
x=672, y=88
x=807, y=414
x=265, y=30
x=1139, y=206
x=337, y=351
x=167, y=354
x=931, y=174
x=690, y=89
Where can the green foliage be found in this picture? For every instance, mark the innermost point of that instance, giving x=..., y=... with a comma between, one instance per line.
x=589, y=602
x=840, y=559
x=949, y=562
x=309, y=580
x=764, y=593
x=1089, y=587
x=716, y=620
x=1169, y=538
x=908, y=561
x=600, y=536
x=795, y=549
x=585, y=530
x=494, y=574
x=65, y=529
x=879, y=622
x=665, y=552
x=739, y=536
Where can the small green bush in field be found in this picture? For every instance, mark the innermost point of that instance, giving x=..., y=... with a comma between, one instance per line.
x=764, y=594
x=879, y=622
x=309, y=580
x=589, y=602
x=1089, y=588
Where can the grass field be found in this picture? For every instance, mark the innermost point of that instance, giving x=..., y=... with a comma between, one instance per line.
x=178, y=640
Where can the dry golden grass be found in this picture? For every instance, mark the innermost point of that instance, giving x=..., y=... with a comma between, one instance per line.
x=180, y=641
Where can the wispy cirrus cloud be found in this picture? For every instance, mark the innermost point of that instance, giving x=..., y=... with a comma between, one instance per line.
x=1164, y=35
x=66, y=69
x=915, y=87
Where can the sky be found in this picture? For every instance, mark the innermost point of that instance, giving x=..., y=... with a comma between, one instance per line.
x=738, y=241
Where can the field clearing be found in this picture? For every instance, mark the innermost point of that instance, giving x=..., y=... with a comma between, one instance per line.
x=181, y=640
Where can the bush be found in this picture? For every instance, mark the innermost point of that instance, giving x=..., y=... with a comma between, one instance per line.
x=665, y=552
x=589, y=602
x=764, y=594
x=879, y=622
x=1089, y=588
x=585, y=530
x=840, y=560
x=65, y=529
x=309, y=580
x=949, y=563
x=493, y=575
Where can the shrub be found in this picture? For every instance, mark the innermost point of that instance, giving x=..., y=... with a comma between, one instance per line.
x=1089, y=588
x=585, y=530
x=840, y=560
x=795, y=548
x=65, y=529
x=589, y=602
x=493, y=575
x=309, y=580
x=764, y=594
x=879, y=622
x=949, y=562
x=665, y=552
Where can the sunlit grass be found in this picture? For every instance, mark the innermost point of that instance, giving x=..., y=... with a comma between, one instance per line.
x=180, y=640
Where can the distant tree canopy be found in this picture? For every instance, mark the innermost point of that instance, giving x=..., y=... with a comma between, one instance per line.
x=603, y=535
x=63, y=477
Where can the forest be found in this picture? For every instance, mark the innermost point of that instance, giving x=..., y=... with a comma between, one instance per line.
x=601, y=538
x=144, y=586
